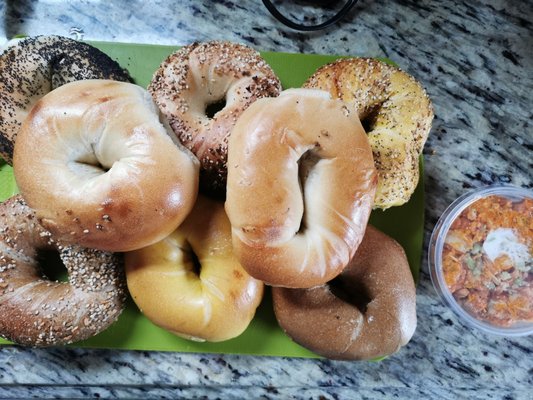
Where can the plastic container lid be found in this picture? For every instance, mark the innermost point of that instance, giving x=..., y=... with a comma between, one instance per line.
x=480, y=259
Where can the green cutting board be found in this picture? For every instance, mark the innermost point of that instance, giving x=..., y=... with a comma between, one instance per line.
x=263, y=337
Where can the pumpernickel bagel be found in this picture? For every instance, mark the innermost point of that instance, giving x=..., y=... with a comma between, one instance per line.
x=368, y=311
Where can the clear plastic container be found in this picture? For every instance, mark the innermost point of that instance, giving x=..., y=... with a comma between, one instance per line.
x=455, y=266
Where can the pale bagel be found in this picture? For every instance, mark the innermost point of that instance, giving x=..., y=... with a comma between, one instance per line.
x=212, y=301
x=301, y=184
x=95, y=162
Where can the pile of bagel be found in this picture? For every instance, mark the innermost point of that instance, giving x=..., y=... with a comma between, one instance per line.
x=193, y=194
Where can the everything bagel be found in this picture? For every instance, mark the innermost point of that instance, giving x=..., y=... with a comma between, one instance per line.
x=37, y=65
x=396, y=112
x=198, y=76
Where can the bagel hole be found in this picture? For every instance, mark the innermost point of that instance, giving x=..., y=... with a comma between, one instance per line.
x=368, y=120
x=51, y=265
x=212, y=108
x=95, y=166
x=194, y=260
x=352, y=293
x=306, y=168
x=89, y=164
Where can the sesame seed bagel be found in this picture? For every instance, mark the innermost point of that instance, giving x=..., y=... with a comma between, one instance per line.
x=366, y=312
x=203, y=74
x=36, y=311
x=213, y=301
x=99, y=167
x=397, y=115
x=32, y=67
x=301, y=184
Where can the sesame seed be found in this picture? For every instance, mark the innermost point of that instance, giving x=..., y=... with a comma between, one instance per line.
x=91, y=300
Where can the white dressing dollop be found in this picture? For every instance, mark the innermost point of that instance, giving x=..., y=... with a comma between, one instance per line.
x=504, y=241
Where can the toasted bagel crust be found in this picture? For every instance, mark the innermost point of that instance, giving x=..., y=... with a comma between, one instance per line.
x=368, y=311
x=301, y=184
x=97, y=165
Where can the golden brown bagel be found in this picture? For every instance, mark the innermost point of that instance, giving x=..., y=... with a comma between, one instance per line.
x=301, y=182
x=397, y=115
x=98, y=167
x=198, y=76
x=368, y=311
x=213, y=301
x=35, y=311
x=34, y=66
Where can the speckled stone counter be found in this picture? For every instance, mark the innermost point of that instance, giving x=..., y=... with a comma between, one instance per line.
x=474, y=57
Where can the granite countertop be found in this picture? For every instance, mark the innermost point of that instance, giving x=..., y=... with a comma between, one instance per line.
x=475, y=59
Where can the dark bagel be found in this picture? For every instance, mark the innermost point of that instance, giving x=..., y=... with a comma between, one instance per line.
x=36, y=65
x=368, y=311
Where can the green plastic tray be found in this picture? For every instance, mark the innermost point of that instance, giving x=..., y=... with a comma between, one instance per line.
x=263, y=337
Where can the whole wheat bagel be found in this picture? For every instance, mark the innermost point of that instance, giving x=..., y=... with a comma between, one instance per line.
x=368, y=311
x=95, y=162
x=301, y=184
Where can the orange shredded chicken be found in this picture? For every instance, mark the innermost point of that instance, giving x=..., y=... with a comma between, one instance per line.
x=496, y=290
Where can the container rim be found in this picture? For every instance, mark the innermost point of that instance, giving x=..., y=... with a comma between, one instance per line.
x=436, y=245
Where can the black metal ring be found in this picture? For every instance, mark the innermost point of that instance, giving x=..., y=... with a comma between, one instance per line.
x=308, y=28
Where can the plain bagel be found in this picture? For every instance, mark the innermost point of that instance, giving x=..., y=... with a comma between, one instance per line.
x=32, y=67
x=368, y=311
x=301, y=184
x=212, y=301
x=36, y=311
x=95, y=162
